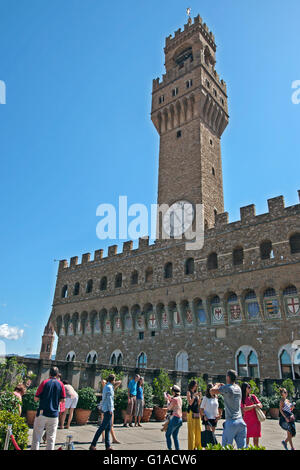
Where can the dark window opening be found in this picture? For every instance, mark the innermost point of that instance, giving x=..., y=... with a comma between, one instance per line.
x=238, y=256
x=64, y=292
x=189, y=266
x=134, y=278
x=141, y=335
x=212, y=261
x=103, y=283
x=184, y=56
x=118, y=280
x=266, y=250
x=178, y=134
x=89, y=286
x=295, y=243
x=76, y=288
x=168, y=271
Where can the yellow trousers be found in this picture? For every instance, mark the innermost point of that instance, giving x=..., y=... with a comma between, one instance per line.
x=194, y=432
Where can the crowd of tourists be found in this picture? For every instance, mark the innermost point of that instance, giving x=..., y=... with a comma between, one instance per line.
x=243, y=412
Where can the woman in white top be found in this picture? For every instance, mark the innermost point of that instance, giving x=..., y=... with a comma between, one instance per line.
x=209, y=409
x=71, y=403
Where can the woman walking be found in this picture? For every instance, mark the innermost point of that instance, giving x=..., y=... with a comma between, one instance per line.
x=175, y=423
x=193, y=417
x=249, y=404
x=287, y=419
x=139, y=402
x=210, y=409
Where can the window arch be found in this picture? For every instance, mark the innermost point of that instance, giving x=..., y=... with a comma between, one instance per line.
x=290, y=290
x=118, y=280
x=149, y=274
x=71, y=356
x=103, y=283
x=64, y=291
x=134, y=278
x=142, y=361
x=289, y=361
x=247, y=363
x=182, y=362
x=89, y=286
x=168, y=271
x=266, y=250
x=212, y=261
x=92, y=357
x=286, y=368
x=238, y=256
x=76, y=288
x=116, y=359
x=270, y=292
x=295, y=243
x=189, y=266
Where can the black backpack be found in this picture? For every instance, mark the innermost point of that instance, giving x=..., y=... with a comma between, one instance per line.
x=208, y=437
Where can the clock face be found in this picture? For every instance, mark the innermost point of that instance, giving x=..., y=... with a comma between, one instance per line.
x=178, y=218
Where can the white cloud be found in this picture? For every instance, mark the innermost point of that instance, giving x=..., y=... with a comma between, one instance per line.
x=10, y=332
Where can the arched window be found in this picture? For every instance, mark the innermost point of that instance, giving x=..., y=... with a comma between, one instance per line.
x=134, y=278
x=168, y=271
x=118, y=280
x=189, y=266
x=286, y=365
x=238, y=256
x=142, y=361
x=116, y=359
x=149, y=275
x=182, y=362
x=290, y=290
x=89, y=286
x=92, y=357
x=266, y=251
x=212, y=261
x=64, y=292
x=200, y=311
x=270, y=292
x=103, y=283
x=295, y=243
x=247, y=362
x=70, y=356
x=76, y=288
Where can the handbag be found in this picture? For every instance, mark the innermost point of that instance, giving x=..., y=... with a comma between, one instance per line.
x=259, y=413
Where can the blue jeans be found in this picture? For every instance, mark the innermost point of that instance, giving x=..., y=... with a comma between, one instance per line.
x=104, y=426
x=173, y=430
x=235, y=429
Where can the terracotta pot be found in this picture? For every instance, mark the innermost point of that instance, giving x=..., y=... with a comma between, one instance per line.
x=147, y=415
x=30, y=416
x=82, y=416
x=160, y=413
x=184, y=416
x=274, y=413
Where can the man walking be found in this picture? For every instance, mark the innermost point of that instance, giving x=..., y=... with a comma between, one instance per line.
x=235, y=427
x=49, y=394
x=108, y=409
x=132, y=392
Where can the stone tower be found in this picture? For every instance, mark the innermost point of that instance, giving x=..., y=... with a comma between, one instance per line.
x=47, y=341
x=189, y=111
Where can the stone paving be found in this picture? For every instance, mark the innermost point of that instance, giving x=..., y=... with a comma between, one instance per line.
x=149, y=437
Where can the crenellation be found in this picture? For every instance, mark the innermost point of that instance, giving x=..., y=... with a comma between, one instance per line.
x=98, y=254
x=143, y=243
x=222, y=219
x=127, y=246
x=85, y=258
x=63, y=264
x=248, y=213
x=112, y=250
x=276, y=205
x=74, y=261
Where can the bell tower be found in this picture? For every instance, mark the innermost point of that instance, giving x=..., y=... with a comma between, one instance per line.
x=47, y=341
x=190, y=114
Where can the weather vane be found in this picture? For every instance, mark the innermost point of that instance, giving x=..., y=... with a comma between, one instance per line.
x=188, y=12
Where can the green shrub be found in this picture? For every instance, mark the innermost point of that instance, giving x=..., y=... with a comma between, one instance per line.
x=274, y=401
x=106, y=372
x=297, y=407
x=230, y=447
x=161, y=384
x=290, y=387
x=221, y=402
x=28, y=400
x=185, y=404
x=265, y=403
x=148, y=395
x=19, y=429
x=86, y=399
x=12, y=373
x=9, y=402
x=121, y=403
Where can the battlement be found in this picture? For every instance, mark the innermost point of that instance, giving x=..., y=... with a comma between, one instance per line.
x=190, y=28
x=248, y=217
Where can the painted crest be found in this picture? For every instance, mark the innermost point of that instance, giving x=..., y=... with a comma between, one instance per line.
x=253, y=310
x=164, y=318
x=140, y=322
x=107, y=326
x=79, y=329
x=201, y=315
x=176, y=317
x=97, y=328
x=62, y=331
x=152, y=320
x=293, y=305
x=88, y=329
x=128, y=322
x=118, y=323
x=189, y=316
x=235, y=312
x=71, y=329
x=272, y=307
x=218, y=313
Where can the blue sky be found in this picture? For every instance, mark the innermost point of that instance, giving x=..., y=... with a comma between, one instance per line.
x=76, y=131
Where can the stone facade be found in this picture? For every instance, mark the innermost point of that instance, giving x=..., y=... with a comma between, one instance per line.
x=233, y=303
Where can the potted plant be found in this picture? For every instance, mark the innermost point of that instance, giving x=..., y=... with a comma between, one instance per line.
x=265, y=404
x=121, y=403
x=86, y=403
x=148, y=402
x=185, y=406
x=161, y=385
x=9, y=402
x=19, y=429
x=274, y=406
x=29, y=406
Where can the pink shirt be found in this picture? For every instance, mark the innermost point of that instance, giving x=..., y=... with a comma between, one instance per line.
x=176, y=406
